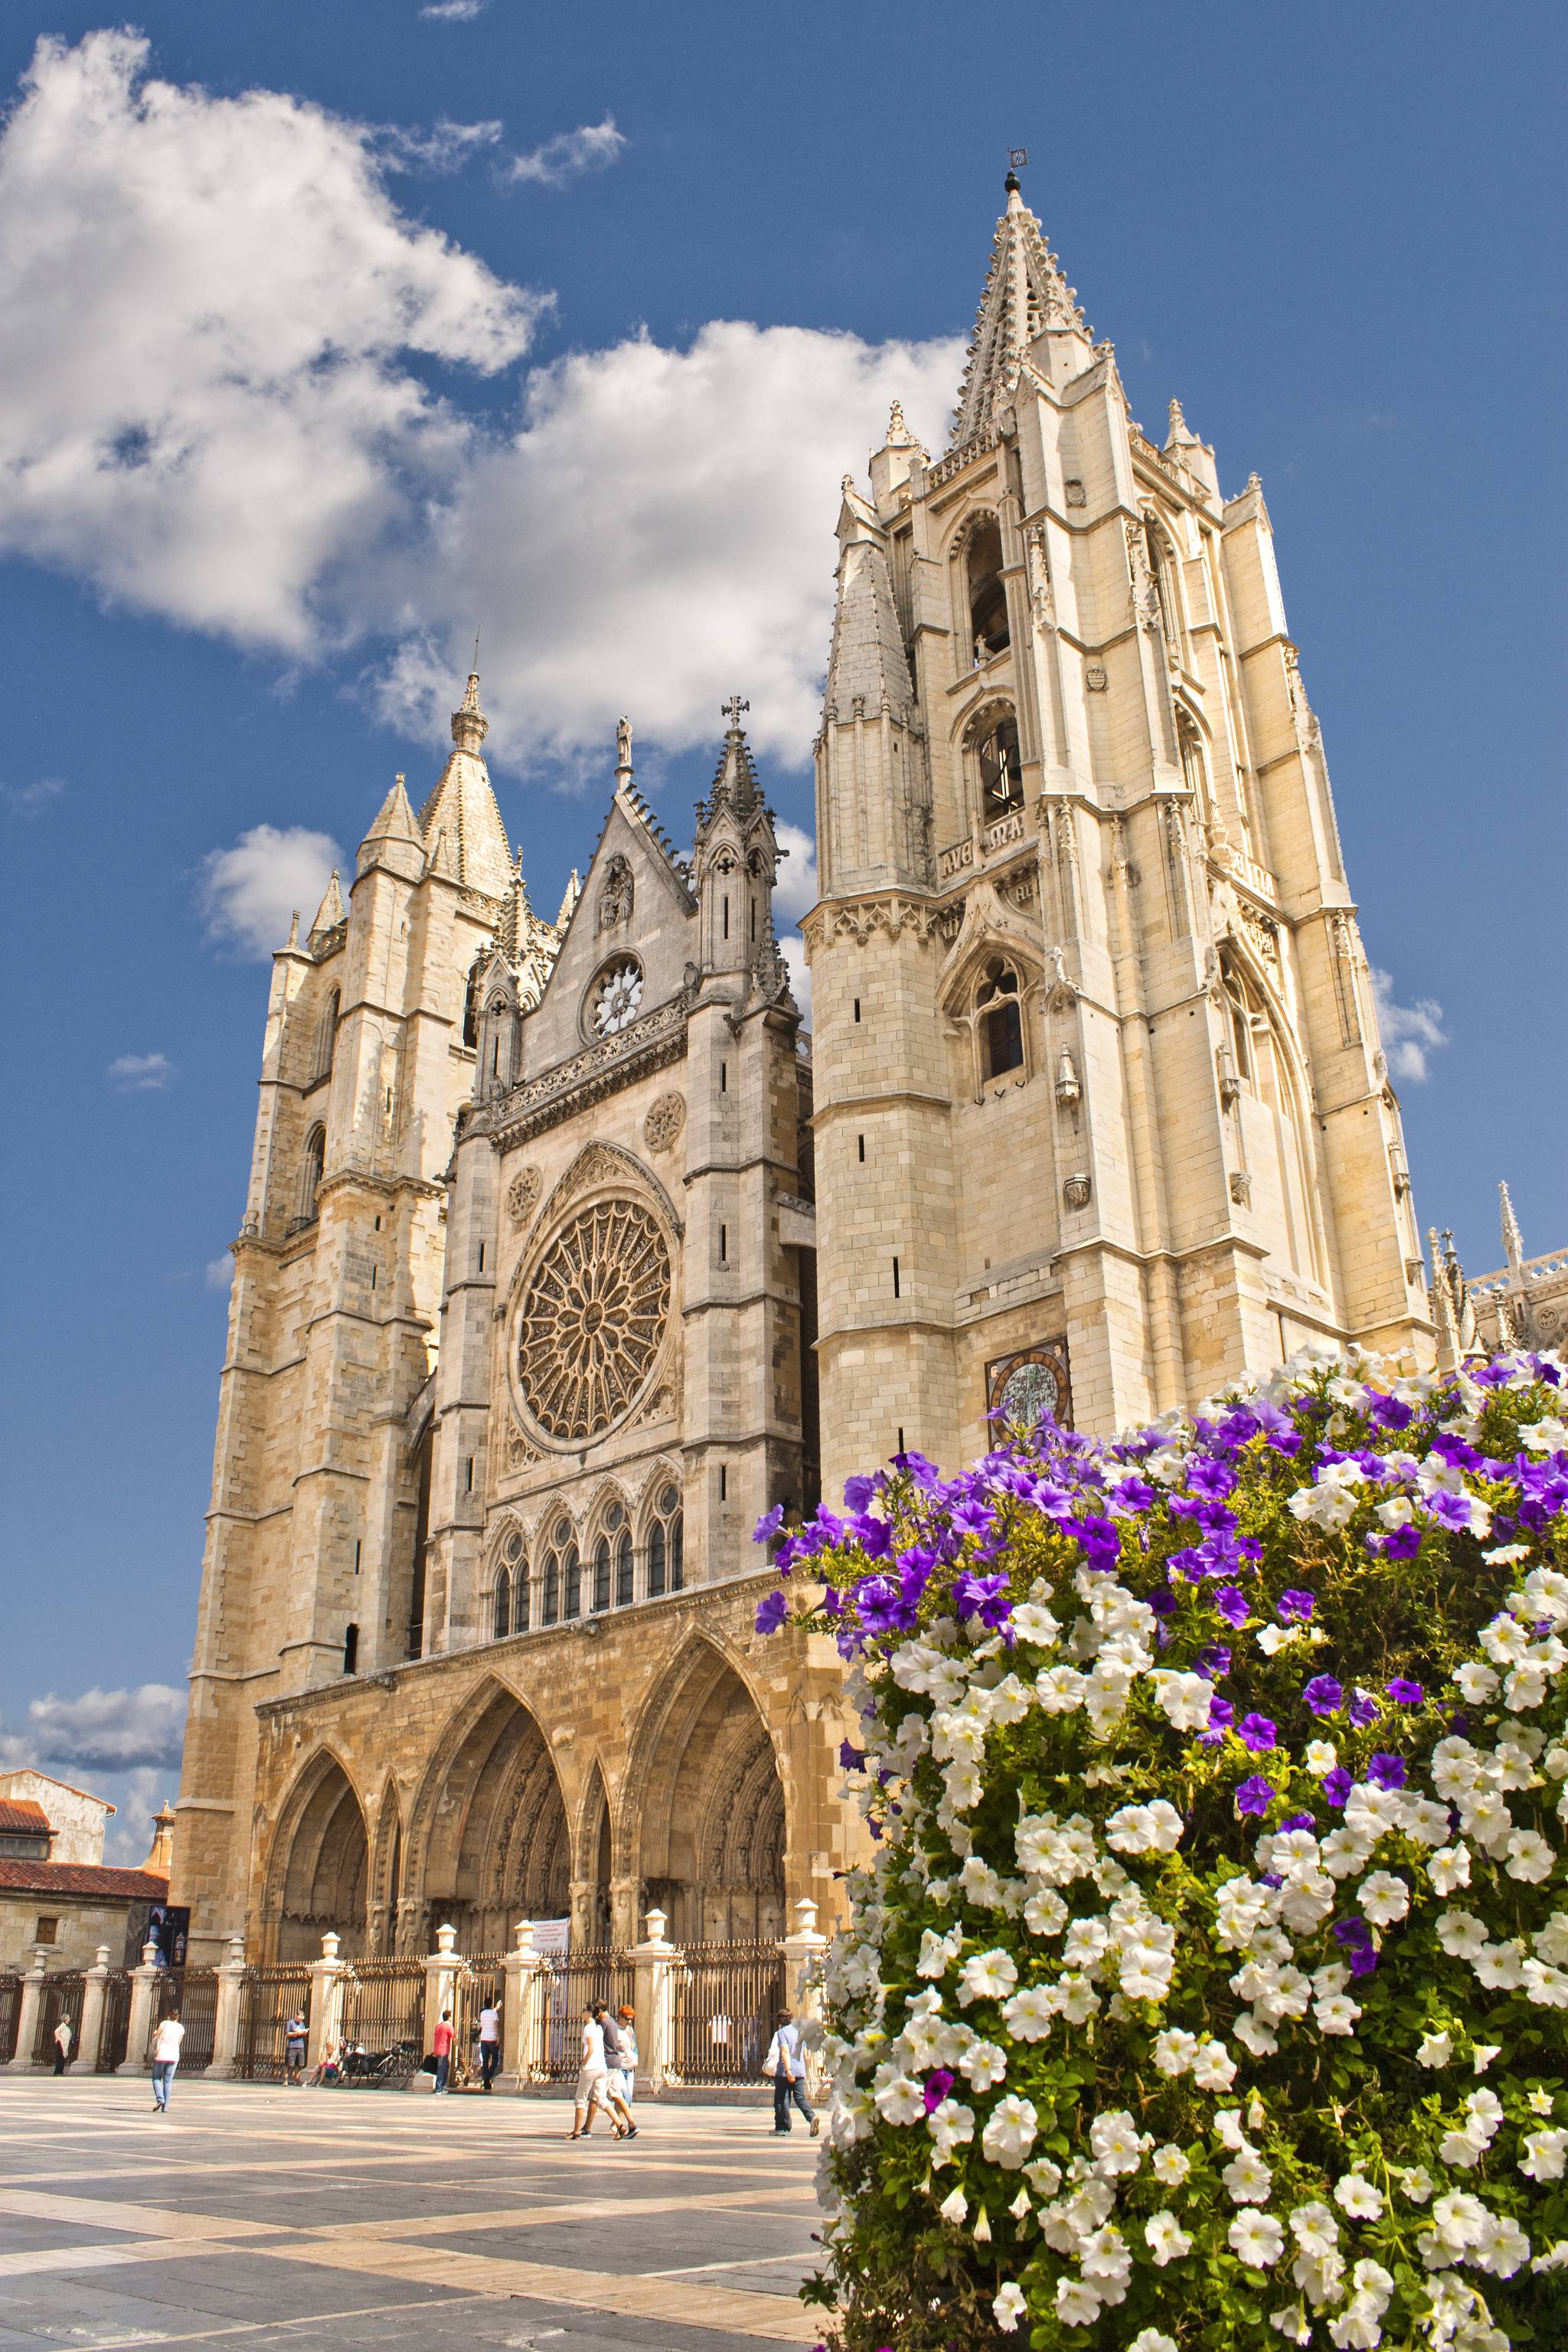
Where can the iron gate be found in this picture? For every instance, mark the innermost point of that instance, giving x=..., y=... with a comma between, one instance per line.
x=565, y=1987
x=114, y=2025
x=481, y=1984
x=59, y=2002
x=383, y=2020
x=268, y=1998
x=10, y=2016
x=727, y=1999
x=191, y=1995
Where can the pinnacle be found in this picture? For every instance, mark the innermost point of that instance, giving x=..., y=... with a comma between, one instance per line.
x=331, y=911
x=1025, y=294
x=462, y=808
x=394, y=819
x=735, y=782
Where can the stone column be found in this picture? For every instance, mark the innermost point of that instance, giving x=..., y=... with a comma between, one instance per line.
x=802, y=1955
x=138, y=2027
x=27, y=2022
x=655, y=1962
x=225, y=2025
x=441, y=1968
x=327, y=1976
x=91, y=2032
x=524, y=1970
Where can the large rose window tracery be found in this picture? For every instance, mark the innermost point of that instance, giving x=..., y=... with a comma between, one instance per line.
x=593, y=1319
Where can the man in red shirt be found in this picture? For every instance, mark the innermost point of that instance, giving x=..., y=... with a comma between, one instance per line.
x=441, y=2045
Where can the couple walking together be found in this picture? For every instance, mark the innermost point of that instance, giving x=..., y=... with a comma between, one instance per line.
x=607, y=2075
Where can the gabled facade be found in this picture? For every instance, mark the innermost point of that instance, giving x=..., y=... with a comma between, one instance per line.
x=1102, y=1113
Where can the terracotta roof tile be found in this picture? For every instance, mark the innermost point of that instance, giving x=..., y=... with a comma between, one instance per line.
x=83, y=1878
x=20, y=1817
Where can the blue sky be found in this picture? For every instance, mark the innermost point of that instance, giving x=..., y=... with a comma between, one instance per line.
x=335, y=331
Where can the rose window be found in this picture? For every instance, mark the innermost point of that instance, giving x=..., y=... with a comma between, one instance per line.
x=616, y=998
x=593, y=1319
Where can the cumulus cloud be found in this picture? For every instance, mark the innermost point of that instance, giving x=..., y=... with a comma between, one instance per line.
x=136, y=1797
x=796, y=892
x=27, y=800
x=242, y=260
x=106, y=1729
x=136, y=1074
x=659, y=533
x=248, y=893
x=452, y=12
x=587, y=149
x=1410, y=1032
x=218, y=1274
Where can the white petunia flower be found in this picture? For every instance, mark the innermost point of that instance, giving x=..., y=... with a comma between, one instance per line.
x=1117, y=2143
x=1059, y=1689
x=951, y=2126
x=1214, y=2069
x=1483, y=2053
x=1254, y=2035
x=1462, y=1934
x=1530, y=1857
x=1357, y=2197
x=1248, y=2179
x=1032, y=1621
x=1548, y=1435
x=1543, y=2155
x=1256, y=2239
x=1078, y=2305
x=954, y=2208
x=987, y=1976
x=1176, y=2050
x=1384, y=1898
x=1168, y=2242
x=1045, y=1913
x=1321, y=1757
x=1010, y=2132
x=1416, y=2183
x=902, y=2101
x=984, y=2064
x=1338, y=2014
x=1291, y=2324
x=1314, y=2228
x=1029, y=2012
x=936, y=1951
x=1436, y=2050
x=1449, y=1868
x=1007, y=2307
x=1152, y=2339
x=1170, y=2165
x=1044, y=2176
x=1477, y=1682
x=1182, y=1699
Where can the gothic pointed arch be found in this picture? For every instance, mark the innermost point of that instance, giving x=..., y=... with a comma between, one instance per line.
x=704, y=1815
x=386, y=1888
x=593, y=1860
x=1268, y=1091
x=316, y=1878
x=487, y=1841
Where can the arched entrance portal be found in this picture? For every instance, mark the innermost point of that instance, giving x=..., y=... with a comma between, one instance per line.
x=497, y=1848
x=711, y=1840
x=320, y=1867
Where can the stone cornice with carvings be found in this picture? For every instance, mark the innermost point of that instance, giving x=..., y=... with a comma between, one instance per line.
x=587, y=1078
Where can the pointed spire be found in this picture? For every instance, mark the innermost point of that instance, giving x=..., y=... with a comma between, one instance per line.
x=330, y=913
x=570, y=897
x=395, y=818
x=293, y=938
x=516, y=922
x=898, y=435
x=1512, y=1239
x=868, y=668
x=463, y=807
x=735, y=784
x=1025, y=294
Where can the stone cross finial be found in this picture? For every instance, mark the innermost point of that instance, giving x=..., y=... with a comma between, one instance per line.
x=732, y=711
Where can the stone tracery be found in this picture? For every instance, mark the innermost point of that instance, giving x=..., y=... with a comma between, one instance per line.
x=593, y=1319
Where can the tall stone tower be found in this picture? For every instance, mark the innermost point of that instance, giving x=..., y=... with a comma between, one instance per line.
x=317, y=1533
x=1101, y=1117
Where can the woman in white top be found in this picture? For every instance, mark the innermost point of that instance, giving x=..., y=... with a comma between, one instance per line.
x=165, y=2058
x=593, y=2081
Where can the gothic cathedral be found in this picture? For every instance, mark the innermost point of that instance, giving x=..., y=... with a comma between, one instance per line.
x=567, y=1253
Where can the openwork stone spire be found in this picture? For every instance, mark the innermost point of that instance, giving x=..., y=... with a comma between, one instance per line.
x=461, y=812
x=1025, y=294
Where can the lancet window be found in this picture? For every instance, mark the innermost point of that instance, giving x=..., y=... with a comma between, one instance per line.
x=666, y=1544
x=1001, y=778
x=312, y=1171
x=1000, y=1023
x=988, y=626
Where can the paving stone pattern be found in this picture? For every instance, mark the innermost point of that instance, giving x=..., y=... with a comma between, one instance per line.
x=325, y=2220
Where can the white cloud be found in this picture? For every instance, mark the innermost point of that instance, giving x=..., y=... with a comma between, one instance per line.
x=136, y=1797
x=136, y=1074
x=447, y=148
x=249, y=892
x=452, y=12
x=102, y=1729
x=796, y=894
x=657, y=533
x=242, y=261
x=1410, y=1032
x=27, y=800
x=218, y=1272
x=587, y=149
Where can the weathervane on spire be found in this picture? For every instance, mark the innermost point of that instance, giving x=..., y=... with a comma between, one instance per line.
x=476, y=653
x=732, y=711
x=1017, y=157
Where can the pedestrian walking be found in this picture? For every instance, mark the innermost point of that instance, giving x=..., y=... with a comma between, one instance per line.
x=625, y=2019
x=489, y=2043
x=62, y=2045
x=165, y=2058
x=609, y=2026
x=593, y=2080
x=441, y=2042
x=785, y=2061
x=294, y=2033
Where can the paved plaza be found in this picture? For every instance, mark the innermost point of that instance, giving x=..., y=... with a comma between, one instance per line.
x=265, y=2218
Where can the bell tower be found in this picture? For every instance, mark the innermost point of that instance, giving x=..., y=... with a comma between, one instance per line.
x=1101, y=1112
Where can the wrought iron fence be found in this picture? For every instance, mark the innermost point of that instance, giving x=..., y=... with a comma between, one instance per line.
x=567, y=1985
x=60, y=2002
x=10, y=2016
x=726, y=1999
x=383, y=2020
x=481, y=1984
x=191, y=1995
x=268, y=1998
x=114, y=2023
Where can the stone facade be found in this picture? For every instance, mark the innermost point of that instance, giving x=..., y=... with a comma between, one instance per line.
x=1524, y=1304
x=1100, y=1106
x=530, y=1309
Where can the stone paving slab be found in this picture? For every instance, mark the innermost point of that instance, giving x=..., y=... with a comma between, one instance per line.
x=273, y=2221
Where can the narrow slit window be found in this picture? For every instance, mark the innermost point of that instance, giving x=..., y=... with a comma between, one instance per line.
x=350, y=1649
x=726, y=918
x=481, y=1257
x=857, y=1008
x=895, y=1278
x=723, y=1244
x=724, y=1484
x=860, y=1142
x=724, y=1077
x=356, y=1555
x=468, y=1476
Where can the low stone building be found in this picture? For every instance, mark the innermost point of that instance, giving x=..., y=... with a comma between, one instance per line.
x=57, y=1896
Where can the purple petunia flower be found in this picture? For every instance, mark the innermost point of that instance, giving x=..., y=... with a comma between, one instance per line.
x=1213, y=1660
x=1255, y=1795
x=1323, y=1695
x=1232, y=1604
x=1163, y=1604
x=1363, y=1961
x=772, y=1611
x=1337, y=1786
x=1222, y=1715
x=850, y=1757
x=1352, y=1933
x=1404, y=1693
x=1297, y=1604
x=768, y=1525
x=1363, y=1709
x=882, y=1607
x=1387, y=1772
x=860, y=1494
x=1300, y=1822
x=1256, y=1732
x=938, y=2083
x=1400, y=1543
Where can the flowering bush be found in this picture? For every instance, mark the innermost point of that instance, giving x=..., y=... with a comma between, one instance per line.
x=1209, y=1986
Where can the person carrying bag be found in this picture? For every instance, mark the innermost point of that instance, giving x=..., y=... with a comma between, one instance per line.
x=785, y=2061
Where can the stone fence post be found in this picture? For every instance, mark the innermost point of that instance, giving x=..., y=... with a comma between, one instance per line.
x=523, y=1970
x=226, y=2024
x=139, y=2026
x=441, y=1968
x=27, y=2021
x=802, y=1956
x=655, y=1963
x=327, y=1976
x=89, y=2033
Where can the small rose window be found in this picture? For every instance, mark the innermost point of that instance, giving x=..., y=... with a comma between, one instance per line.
x=616, y=995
